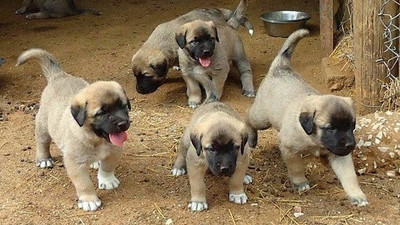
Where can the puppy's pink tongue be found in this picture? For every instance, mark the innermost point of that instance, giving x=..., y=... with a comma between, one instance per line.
x=118, y=138
x=205, y=62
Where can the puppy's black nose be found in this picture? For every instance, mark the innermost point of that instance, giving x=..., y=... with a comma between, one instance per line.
x=123, y=125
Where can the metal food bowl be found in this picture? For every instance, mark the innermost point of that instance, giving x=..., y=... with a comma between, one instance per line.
x=283, y=23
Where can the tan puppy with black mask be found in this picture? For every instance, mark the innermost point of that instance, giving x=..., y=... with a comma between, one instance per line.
x=86, y=121
x=215, y=139
x=206, y=51
x=150, y=64
x=306, y=121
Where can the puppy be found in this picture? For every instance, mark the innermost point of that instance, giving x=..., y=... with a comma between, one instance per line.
x=306, y=120
x=150, y=64
x=206, y=51
x=216, y=139
x=88, y=122
x=41, y=9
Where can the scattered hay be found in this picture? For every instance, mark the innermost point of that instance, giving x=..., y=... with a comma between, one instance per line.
x=344, y=51
x=390, y=93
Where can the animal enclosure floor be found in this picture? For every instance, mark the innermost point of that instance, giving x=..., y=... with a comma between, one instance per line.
x=100, y=48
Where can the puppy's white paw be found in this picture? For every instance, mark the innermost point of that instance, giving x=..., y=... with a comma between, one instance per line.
x=198, y=206
x=176, y=172
x=89, y=205
x=177, y=68
x=46, y=163
x=360, y=201
x=107, y=181
x=249, y=94
x=302, y=186
x=30, y=17
x=193, y=105
x=251, y=31
x=238, y=198
x=95, y=165
x=247, y=179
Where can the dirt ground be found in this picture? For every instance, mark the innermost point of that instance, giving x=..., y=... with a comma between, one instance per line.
x=100, y=48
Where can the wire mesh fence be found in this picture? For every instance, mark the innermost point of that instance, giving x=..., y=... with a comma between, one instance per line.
x=389, y=16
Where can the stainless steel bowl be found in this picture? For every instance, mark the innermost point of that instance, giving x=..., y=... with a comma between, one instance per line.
x=283, y=23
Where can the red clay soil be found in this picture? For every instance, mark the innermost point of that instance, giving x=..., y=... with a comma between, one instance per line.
x=100, y=48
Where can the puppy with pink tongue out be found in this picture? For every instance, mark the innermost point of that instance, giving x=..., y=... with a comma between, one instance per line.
x=88, y=122
x=205, y=53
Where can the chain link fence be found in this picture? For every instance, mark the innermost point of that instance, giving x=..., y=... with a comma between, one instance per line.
x=389, y=16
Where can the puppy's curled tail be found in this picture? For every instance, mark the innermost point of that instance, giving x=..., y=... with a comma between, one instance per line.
x=238, y=18
x=51, y=68
x=282, y=60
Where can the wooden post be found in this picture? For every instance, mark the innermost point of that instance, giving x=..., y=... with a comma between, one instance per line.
x=368, y=46
x=326, y=26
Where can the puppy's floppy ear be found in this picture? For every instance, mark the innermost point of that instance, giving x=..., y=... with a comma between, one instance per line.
x=196, y=142
x=307, y=121
x=79, y=113
x=160, y=69
x=128, y=103
x=213, y=27
x=180, y=37
x=244, y=142
x=216, y=34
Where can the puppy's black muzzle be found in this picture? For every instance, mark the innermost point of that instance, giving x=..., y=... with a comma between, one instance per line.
x=147, y=85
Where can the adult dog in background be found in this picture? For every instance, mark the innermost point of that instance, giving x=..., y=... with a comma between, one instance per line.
x=41, y=9
x=306, y=120
x=86, y=121
x=150, y=64
x=206, y=50
x=215, y=139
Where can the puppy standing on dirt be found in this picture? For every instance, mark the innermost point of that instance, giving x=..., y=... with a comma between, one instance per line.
x=216, y=139
x=306, y=120
x=151, y=62
x=86, y=121
x=51, y=8
x=206, y=51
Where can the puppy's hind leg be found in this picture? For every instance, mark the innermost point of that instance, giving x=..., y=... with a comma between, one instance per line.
x=344, y=170
x=43, y=140
x=246, y=76
x=39, y=15
x=105, y=175
x=296, y=169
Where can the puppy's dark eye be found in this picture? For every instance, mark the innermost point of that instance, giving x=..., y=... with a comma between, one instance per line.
x=194, y=42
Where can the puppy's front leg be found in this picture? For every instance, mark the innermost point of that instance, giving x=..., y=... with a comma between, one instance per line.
x=344, y=169
x=80, y=177
x=193, y=91
x=219, y=81
x=196, y=171
x=296, y=169
x=207, y=85
x=39, y=15
x=236, y=191
x=105, y=175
